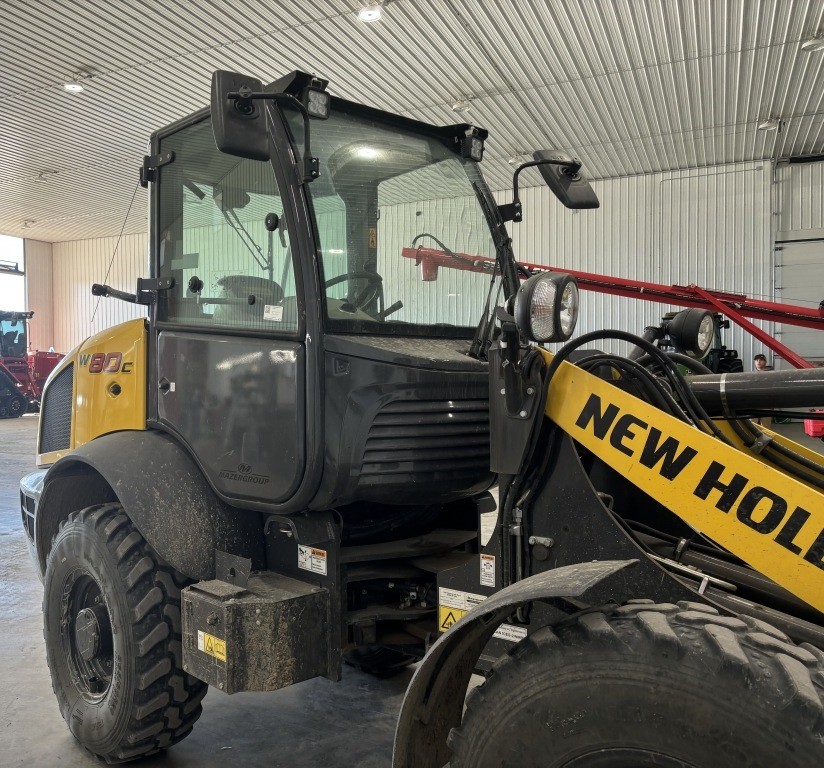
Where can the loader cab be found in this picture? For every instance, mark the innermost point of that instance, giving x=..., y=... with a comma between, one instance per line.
x=301, y=353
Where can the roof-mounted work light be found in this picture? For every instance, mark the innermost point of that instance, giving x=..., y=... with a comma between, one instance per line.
x=472, y=144
x=316, y=100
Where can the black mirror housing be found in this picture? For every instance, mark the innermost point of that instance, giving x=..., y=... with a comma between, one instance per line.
x=562, y=174
x=239, y=124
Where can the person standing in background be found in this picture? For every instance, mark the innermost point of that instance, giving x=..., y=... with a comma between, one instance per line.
x=759, y=363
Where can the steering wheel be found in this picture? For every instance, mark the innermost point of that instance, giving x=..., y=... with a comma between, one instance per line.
x=373, y=288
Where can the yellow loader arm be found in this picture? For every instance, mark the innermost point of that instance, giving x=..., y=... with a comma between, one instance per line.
x=773, y=522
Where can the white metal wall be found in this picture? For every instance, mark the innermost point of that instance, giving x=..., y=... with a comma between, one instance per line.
x=39, y=293
x=709, y=226
x=801, y=196
x=799, y=254
x=78, y=264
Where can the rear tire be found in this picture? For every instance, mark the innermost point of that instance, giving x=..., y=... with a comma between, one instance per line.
x=648, y=685
x=730, y=365
x=112, y=626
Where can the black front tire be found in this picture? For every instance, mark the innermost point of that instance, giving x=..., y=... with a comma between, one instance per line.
x=112, y=625
x=648, y=685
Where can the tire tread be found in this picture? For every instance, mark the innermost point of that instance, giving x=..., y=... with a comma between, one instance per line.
x=759, y=656
x=166, y=702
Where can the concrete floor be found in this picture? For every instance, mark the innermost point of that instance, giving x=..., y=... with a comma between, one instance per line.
x=311, y=725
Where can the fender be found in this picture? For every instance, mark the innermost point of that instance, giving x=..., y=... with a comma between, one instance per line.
x=168, y=500
x=434, y=700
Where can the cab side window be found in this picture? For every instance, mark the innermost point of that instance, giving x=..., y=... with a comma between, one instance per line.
x=223, y=239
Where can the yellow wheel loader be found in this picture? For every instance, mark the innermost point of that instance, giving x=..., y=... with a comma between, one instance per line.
x=323, y=445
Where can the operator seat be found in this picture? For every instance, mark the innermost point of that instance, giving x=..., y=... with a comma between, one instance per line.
x=248, y=295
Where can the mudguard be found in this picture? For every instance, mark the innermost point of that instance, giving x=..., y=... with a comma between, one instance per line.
x=434, y=700
x=161, y=489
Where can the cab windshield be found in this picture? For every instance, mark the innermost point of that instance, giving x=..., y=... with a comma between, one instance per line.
x=405, y=244
x=12, y=338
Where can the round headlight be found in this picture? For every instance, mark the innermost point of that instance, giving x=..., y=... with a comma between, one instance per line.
x=546, y=307
x=692, y=332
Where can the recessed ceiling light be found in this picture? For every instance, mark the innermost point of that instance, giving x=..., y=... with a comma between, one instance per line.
x=72, y=87
x=462, y=105
x=770, y=125
x=813, y=45
x=370, y=13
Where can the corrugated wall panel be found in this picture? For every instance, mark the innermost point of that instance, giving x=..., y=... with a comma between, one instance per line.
x=709, y=227
x=78, y=264
x=39, y=293
x=801, y=196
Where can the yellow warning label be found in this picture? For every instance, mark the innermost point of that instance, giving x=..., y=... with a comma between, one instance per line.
x=373, y=237
x=448, y=616
x=211, y=645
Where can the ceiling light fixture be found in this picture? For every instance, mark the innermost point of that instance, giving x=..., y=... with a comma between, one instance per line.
x=74, y=84
x=370, y=13
x=462, y=105
x=772, y=124
x=813, y=45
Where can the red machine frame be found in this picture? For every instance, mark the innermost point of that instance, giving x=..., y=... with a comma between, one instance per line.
x=29, y=369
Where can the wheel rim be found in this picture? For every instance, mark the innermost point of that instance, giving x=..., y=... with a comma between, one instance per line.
x=88, y=639
x=16, y=407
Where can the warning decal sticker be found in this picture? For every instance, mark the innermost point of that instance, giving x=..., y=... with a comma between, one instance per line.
x=448, y=616
x=453, y=605
x=312, y=559
x=511, y=633
x=487, y=570
x=211, y=645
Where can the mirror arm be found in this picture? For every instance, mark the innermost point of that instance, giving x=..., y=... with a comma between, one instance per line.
x=244, y=96
x=512, y=211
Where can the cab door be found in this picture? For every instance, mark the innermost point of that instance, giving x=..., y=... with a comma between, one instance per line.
x=230, y=363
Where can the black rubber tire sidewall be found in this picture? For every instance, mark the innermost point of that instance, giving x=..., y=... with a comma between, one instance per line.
x=559, y=697
x=100, y=726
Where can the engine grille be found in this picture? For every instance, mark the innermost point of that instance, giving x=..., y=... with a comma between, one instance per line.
x=428, y=440
x=56, y=413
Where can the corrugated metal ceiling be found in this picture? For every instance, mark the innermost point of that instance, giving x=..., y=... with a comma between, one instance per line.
x=631, y=86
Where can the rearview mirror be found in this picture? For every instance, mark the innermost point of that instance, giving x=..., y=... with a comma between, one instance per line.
x=562, y=174
x=239, y=124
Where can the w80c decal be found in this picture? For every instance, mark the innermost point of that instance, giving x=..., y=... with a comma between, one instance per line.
x=106, y=362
